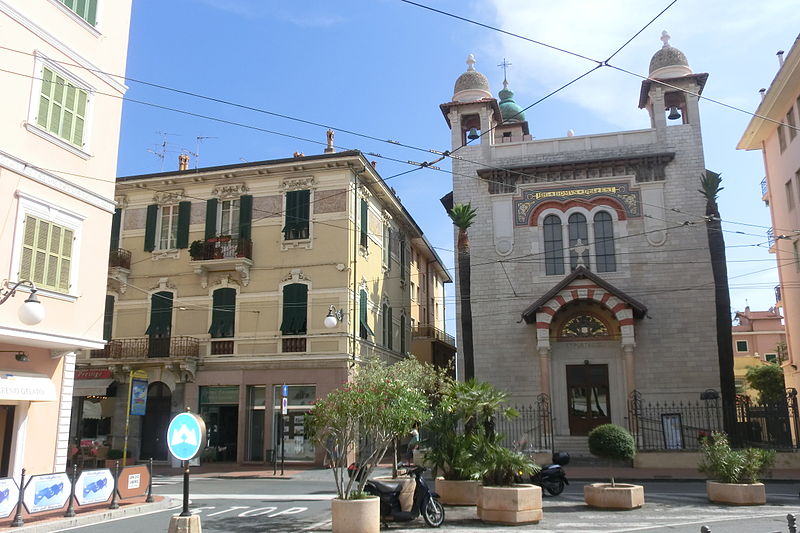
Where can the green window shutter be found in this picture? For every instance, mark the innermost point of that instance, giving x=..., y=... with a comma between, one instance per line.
x=389, y=328
x=150, y=228
x=364, y=221
x=223, y=315
x=290, y=215
x=160, y=315
x=91, y=12
x=303, y=210
x=211, y=218
x=184, y=212
x=295, y=309
x=402, y=334
x=364, y=329
x=108, y=317
x=245, y=216
x=116, y=221
x=403, y=259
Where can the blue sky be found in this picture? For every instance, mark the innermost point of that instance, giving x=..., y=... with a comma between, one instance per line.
x=382, y=67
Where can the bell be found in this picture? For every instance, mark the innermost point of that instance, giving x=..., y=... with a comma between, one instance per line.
x=473, y=134
x=673, y=113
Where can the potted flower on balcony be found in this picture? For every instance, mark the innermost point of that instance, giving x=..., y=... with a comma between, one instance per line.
x=357, y=423
x=500, y=499
x=614, y=443
x=734, y=474
x=197, y=250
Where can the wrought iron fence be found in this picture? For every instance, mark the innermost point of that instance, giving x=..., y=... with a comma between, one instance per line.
x=683, y=425
x=532, y=430
x=144, y=347
x=221, y=248
x=119, y=258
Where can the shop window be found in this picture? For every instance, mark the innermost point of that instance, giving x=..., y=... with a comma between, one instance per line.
x=289, y=432
x=219, y=407
x=256, y=418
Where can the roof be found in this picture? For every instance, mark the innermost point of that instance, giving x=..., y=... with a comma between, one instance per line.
x=491, y=101
x=529, y=314
x=700, y=78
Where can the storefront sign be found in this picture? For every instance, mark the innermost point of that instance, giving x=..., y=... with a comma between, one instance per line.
x=94, y=486
x=26, y=387
x=9, y=496
x=225, y=395
x=93, y=373
x=47, y=492
x=186, y=436
x=138, y=393
x=133, y=481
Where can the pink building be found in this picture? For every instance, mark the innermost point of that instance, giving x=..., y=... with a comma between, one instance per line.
x=758, y=339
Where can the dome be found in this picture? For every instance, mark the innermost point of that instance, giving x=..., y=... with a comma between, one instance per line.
x=471, y=85
x=669, y=62
x=511, y=111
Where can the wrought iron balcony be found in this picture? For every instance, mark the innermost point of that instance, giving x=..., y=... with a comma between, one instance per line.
x=425, y=331
x=138, y=348
x=221, y=248
x=778, y=294
x=119, y=258
x=764, y=189
x=771, y=239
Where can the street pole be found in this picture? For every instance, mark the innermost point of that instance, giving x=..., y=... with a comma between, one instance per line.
x=185, y=490
x=127, y=417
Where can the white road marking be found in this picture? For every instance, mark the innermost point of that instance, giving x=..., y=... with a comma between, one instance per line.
x=269, y=497
x=229, y=509
x=324, y=524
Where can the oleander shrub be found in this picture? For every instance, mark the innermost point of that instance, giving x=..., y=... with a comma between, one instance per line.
x=723, y=464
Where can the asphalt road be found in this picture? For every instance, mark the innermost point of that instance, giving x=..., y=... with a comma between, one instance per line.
x=302, y=505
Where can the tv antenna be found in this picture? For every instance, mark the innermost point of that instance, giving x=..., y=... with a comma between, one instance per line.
x=160, y=151
x=200, y=139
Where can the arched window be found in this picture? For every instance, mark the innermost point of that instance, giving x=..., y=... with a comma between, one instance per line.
x=553, y=246
x=578, y=241
x=604, y=243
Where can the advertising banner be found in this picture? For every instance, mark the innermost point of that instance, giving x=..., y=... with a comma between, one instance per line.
x=133, y=481
x=9, y=495
x=47, y=492
x=94, y=486
x=138, y=395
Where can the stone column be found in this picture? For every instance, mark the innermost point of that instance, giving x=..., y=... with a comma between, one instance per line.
x=630, y=373
x=544, y=369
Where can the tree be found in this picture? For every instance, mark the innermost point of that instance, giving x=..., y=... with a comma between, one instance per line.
x=767, y=380
x=463, y=216
x=710, y=188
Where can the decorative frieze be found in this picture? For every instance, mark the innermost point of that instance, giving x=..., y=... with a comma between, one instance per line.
x=298, y=184
x=168, y=197
x=229, y=190
x=628, y=199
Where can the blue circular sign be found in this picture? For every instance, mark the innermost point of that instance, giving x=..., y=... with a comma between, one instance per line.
x=186, y=436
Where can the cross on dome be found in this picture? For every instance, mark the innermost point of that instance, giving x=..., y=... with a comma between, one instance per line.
x=505, y=64
x=470, y=62
x=665, y=37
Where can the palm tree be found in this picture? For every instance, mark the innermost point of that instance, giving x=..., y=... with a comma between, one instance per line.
x=710, y=188
x=462, y=216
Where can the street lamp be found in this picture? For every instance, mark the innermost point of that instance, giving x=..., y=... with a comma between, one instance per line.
x=334, y=317
x=32, y=311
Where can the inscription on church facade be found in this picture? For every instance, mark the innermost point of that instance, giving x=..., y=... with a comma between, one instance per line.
x=629, y=200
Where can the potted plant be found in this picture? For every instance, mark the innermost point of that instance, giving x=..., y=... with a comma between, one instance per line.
x=500, y=499
x=735, y=473
x=357, y=423
x=197, y=250
x=614, y=443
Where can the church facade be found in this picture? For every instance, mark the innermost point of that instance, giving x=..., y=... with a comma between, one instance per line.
x=591, y=275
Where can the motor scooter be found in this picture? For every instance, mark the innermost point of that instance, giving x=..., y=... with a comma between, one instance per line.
x=425, y=502
x=552, y=477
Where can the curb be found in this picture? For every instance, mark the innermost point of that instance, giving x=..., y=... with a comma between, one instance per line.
x=96, y=517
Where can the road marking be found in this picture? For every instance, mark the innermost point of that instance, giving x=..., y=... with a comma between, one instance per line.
x=324, y=524
x=269, y=497
x=258, y=511
x=231, y=508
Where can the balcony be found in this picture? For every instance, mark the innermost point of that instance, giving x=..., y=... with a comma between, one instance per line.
x=141, y=348
x=293, y=344
x=771, y=240
x=119, y=267
x=778, y=299
x=430, y=332
x=764, y=191
x=221, y=347
x=220, y=254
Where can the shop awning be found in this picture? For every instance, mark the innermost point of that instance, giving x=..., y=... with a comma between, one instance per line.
x=26, y=387
x=91, y=387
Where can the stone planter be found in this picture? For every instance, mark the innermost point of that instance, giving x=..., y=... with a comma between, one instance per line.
x=356, y=516
x=518, y=504
x=457, y=492
x=620, y=496
x=736, y=493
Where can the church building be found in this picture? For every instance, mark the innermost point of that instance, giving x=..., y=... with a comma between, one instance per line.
x=591, y=276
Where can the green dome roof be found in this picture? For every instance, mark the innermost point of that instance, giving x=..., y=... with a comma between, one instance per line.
x=511, y=111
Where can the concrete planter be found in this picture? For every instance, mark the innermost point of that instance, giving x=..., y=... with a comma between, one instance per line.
x=736, y=493
x=356, y=516
x=620, y=496
x=457, y=492
x=518, y=504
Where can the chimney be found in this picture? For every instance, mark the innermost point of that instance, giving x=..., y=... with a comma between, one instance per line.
x=373, y=163
x=763, y=93
x=329, y=148
x=780, y=58
x=183, y=162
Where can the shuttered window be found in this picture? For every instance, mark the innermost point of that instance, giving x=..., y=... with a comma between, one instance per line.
x=46, y=254
x=403, y=333
x=223, y=315
x=85, y=9
x=108, y=318
x=298, y=208
x=403, y=266
x=116, y=225
x=62, y=108
x=160, y=315
x=387, y=246
x=364, y=330
x=168, y=227
x=364, y=223
x=295, y=309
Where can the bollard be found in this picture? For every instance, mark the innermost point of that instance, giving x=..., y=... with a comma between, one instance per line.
x=705, y=529
x=114, y=502
x=792, y=521
x=71, y=509
x=150, y=498
x=18, y=521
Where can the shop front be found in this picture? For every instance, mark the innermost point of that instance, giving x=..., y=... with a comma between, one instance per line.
x=219, y=407
x=291, y=442
x=93, y=398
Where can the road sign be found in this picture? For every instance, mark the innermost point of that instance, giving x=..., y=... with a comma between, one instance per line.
x=285, y=391
x=94, y=486
x=186, y=436
x=9, y=496
x=43, y=493
x=133, y=481
x=284, y=406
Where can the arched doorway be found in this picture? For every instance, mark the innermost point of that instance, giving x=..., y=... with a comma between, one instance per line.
x=155, y=422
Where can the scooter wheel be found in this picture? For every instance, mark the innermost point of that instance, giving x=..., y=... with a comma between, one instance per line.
x=556, y=487
x=433, y=513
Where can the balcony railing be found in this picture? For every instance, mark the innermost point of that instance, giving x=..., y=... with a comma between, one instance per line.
x=764, y=187
x=219, y=347
x=293, y=344
x=778, y=293
x=771, y=237
x=430, y=332
x=145, y=347
x=221, y=248
x=119, y=258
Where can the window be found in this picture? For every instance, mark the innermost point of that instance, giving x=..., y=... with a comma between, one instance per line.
x=170, y=224
x=413, y=292
x=46, y=254
x=116, y=227
x=604, y=242
x=789, y=185
x=553, y=245
x=293, y=443
x=364, y=223
x=298, y=205
x=403, y=266
x=781, y=137
x=741, y=346
x=792, y=124
x=363, y=330
x=387, y=246
x=388, y=332
x=62, y=108
x=578, y=241
x=160, y=328
x=254, y=426
x=295, y=309
x=85, y=9
x=403, y=333
x=796, y=250
x=223, y=313
x=230, y=217
x=228, y=222
x=108, y=318
x=771, y=357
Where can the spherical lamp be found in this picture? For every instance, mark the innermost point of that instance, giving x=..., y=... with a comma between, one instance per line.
x=32, y=311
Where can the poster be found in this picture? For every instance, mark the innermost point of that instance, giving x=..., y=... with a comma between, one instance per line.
x=138, y=396
x=9, y=496
x=94, y=486
x=673, y=432
x=46, y=492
